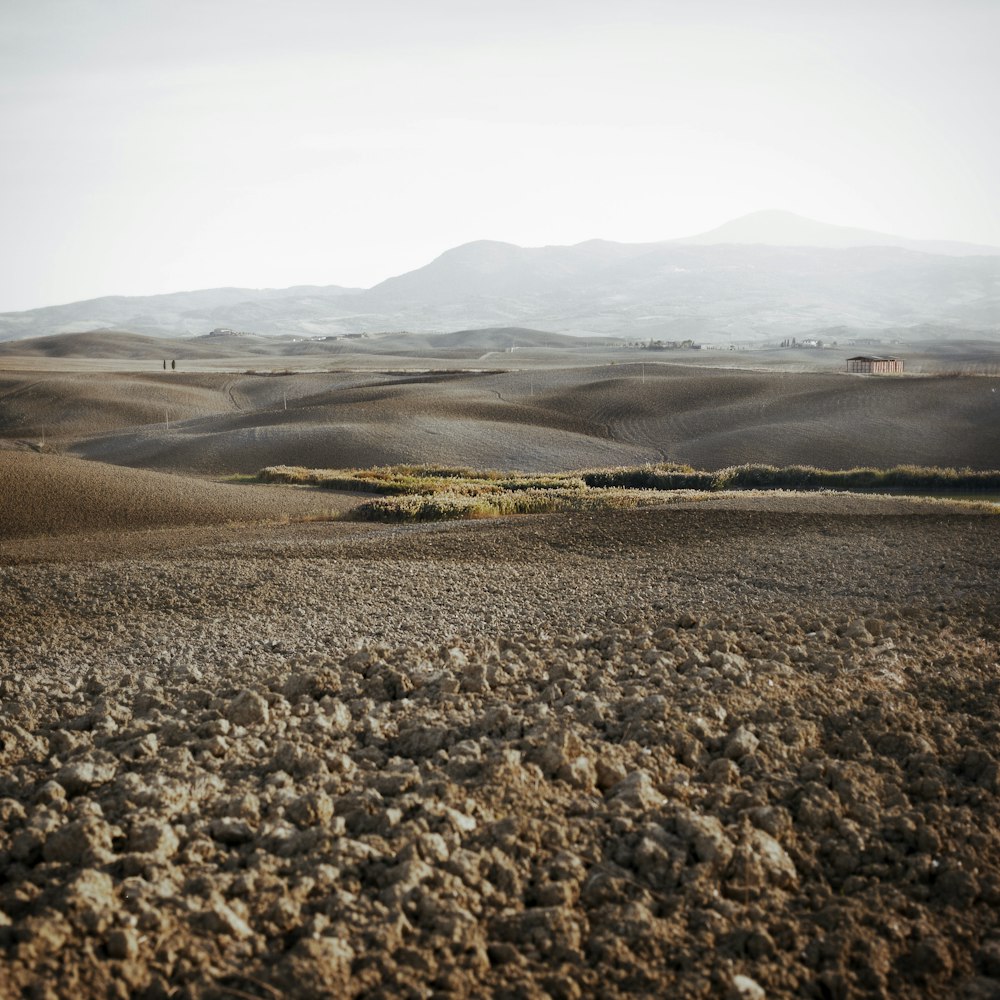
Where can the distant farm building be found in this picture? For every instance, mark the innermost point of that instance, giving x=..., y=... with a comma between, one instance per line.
x=866, y=365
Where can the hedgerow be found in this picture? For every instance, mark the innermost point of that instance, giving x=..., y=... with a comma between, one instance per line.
x=454, y=506
x=433, y=493
x=795, y=477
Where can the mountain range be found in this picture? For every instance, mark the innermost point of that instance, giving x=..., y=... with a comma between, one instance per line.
x=764, y=275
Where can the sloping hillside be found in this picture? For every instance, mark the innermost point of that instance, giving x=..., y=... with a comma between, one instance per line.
x=551, y=418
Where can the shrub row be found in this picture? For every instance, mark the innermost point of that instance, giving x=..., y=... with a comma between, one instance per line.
x=795, y=477
x=497, y=490
x=458, y=506
x=419, y=480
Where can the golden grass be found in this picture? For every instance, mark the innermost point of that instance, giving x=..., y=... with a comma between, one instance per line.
x=407, y=480
x=404, y=480
x=409, y=493
x=796, y=477
x=458, y=506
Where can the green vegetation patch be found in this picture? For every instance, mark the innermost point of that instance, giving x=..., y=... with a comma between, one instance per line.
x=457, y=506
x=415, y=480
x=408, y=493
x=795, y=477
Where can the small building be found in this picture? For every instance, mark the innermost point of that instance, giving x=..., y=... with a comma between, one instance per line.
x=864, y=364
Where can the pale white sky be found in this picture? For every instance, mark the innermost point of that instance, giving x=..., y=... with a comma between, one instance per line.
x=161, y=145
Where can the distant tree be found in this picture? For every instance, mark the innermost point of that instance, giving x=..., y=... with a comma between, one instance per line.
x=173, y=366
x=164, y=364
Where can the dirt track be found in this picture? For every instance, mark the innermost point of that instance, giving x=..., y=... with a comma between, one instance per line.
x=696, y=753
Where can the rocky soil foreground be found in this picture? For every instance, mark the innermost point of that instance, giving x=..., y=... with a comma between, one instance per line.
x=683, y=753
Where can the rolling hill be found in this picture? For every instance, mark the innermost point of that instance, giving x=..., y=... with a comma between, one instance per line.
x=552, y=418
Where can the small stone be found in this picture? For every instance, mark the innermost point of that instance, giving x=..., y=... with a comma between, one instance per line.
x=859, y=633
x=155, y=838
x=728, y=664
x=311, y=809
x=741, y=744
x=407, y=876
x=722, y=772
x=361, y=658
x=89, y=897
x=545, y=928
x=322, y=962
x=745, y=988
x=457, y=658
x=504, y=953
x=461, y=822
x=774, y=820
x=579, y=772
x=421, y=741
x=223, y=919
x=474, y=680
x=123, y=944
x=82, y=775
x=248, y=709
x=956, y=887
x=83, y=839
x=638, y=791
x=773, y=858
x=11, y=813
x=609, y=773
x=231, y=831
x=50, y=792
x=707, y=837
x=338, y=714
x=433, y=847
x=26, y=846
x=245, y=806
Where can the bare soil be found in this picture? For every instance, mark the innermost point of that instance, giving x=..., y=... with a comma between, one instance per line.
x=535, y=419
x=60, y=496
x=747, y=748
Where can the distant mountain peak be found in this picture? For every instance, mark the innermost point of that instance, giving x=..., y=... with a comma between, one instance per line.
x=778, y=227
x=481, y=248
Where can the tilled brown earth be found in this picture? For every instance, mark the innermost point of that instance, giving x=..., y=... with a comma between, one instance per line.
x=688, y=753
x=59, y=496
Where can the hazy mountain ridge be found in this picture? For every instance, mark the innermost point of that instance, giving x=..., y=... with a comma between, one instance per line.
x=728, y=284
x=172, y=313
x=460, y=344
x=778, y=228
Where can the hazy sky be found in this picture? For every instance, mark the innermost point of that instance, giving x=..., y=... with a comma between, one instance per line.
x=161, y=145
